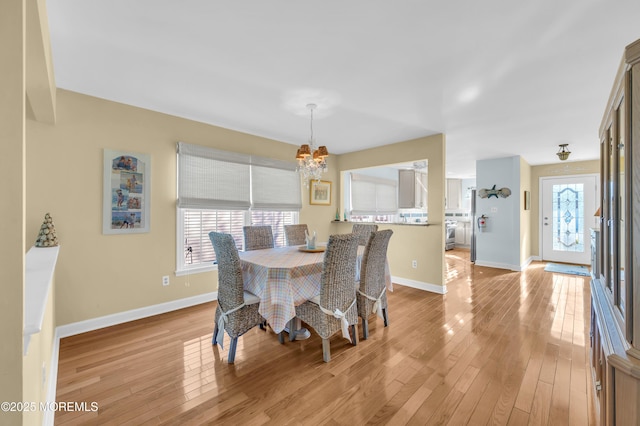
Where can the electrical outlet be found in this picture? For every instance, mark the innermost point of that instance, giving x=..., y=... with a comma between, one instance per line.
x=414, y=264
x=165, y=280
x=44, y=374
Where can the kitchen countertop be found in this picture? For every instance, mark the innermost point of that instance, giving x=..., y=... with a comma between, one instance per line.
x=386, y=223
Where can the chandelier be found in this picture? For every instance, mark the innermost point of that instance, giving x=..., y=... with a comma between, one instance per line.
x=563, y=153
x=311, y=160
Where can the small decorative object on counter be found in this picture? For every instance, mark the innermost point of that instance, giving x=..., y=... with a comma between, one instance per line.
x=311, y=241
x=337, y=215
x=47, y=235
x=345, y=215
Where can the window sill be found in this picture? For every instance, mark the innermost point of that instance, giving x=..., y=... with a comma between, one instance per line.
x=196, y=270
x=40, y=263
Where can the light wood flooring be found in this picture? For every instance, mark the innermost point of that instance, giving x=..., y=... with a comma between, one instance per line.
x=500, y=347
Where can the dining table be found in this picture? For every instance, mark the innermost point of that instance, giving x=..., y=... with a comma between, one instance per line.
x=285, y=277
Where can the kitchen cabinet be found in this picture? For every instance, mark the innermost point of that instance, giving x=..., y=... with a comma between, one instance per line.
x=460, y=234
x=463, y=234
x=412, y=192
x=468, y=229
x=453, y=196
x=615, y=288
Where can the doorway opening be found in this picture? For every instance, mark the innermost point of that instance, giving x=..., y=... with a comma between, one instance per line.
x=567, y=208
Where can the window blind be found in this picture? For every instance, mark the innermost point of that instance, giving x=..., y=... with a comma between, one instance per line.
x=209, y=178
x=275, y=185
x=196, y=227
x=372, y=195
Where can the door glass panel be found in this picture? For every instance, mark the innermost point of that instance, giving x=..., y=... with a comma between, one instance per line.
x=568, y=217
x=611, y=183
x=621, y=209
x=604, y=236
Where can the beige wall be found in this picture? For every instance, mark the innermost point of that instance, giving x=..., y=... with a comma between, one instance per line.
x=525, y=215
x=422, y=243
x=557, y=169
x=318, y=218
x=100, y=274
x=12, y=207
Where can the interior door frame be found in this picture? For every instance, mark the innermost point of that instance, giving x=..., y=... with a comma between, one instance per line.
x=595, y=176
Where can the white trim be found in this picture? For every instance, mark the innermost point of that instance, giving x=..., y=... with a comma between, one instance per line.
x=526, y=263
x=499, y=265
x=49, y=415
x=196, y=270
x=40, y=265
x=132, y=315
x=596, y=176
x=433, y=288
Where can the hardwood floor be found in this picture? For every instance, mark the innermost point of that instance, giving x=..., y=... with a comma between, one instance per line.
x=500, y=347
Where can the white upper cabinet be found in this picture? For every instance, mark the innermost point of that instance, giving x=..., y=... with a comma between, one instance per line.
x=412, y=189
x=453, y=197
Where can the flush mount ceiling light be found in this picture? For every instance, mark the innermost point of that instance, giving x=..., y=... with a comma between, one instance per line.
x=311, y=161
x=563, y=153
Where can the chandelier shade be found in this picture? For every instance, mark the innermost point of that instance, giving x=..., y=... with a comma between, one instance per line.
x=563, y=153
x=311, y=160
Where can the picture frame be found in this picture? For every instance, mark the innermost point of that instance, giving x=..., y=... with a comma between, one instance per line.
x=320, y=193
x=527, y=200
x=126, y=192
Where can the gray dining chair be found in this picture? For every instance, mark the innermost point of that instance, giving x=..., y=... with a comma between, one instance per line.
x=295, y=234
x=237, y=310
x=363, y=231
x=335, y=308
x=257, y=237
x=372, y=295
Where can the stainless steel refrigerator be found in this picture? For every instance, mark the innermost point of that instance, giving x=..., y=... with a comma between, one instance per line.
x=474, y=226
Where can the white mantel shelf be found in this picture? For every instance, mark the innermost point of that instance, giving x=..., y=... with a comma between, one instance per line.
x=40, y=263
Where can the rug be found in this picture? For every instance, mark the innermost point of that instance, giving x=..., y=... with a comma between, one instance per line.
x=563, y=268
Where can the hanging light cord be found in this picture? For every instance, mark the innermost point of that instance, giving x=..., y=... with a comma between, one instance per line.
x=311, y=126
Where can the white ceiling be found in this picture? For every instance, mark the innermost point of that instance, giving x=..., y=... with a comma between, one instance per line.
x=498, y=77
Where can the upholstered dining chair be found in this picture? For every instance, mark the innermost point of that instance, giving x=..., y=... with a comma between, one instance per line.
x=363, y=231
x=295, y=234
x=335, y=308
x=372, y=295
x=257, y=237
x=237, y=310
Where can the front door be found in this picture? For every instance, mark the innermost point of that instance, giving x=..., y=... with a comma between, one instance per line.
x=568, y=208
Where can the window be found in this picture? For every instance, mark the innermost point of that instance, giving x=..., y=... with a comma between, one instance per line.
x=373, y=198
x=196, y=246
x=223, y=191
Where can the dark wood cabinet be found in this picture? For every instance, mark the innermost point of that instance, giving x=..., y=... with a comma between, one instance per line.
x=615, y=287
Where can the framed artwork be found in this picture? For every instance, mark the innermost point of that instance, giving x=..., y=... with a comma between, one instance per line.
x=126, y=192
x=320, y=193
x=527, y=200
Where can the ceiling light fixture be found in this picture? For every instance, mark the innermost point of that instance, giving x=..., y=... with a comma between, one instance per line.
x=311, y=161
x=563, y=153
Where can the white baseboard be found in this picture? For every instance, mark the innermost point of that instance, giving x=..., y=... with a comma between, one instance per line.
x=433, y=288
x=526, y=263
x=498, y=265
x=132, y=315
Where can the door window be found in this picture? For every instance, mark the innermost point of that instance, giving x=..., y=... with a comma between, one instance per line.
x=568, y=218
